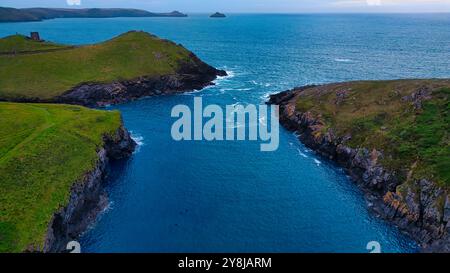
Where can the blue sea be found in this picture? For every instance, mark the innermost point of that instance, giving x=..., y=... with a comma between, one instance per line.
x=229, y=196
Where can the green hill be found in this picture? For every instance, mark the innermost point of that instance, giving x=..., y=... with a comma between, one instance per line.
x=44, y=150
x=46, y=75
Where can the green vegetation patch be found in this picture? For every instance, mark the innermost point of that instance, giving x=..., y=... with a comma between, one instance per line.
x=425, y=138
x=44, y=150
x=17, y=44
x=47, y=75
x=384, y=115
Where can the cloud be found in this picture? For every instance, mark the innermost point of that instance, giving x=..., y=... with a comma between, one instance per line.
x=73, y=2
x=373, y=2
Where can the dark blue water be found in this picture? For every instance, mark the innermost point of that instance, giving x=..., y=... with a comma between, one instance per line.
x=228, y=196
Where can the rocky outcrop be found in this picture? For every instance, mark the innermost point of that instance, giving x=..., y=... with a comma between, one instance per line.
x=218, y=15
x=192, y=75
x=420, y=208
x=87, y=197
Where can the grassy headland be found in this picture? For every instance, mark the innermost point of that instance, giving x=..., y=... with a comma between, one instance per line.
x=44, y=150
x=39, y=14
x=409, y=120
x=47, y=75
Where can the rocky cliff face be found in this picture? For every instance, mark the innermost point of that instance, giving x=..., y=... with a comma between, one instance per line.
x=87, y=198
x=193, y=75
x=420, y=208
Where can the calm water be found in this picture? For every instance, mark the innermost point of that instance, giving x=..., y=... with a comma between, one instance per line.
x=228, y=196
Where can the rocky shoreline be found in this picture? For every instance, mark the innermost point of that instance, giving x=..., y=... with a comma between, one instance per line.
x=87, y=197
x=425, y=216
x=194, y=75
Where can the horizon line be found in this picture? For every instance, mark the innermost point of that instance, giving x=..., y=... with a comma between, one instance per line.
x=251, y=12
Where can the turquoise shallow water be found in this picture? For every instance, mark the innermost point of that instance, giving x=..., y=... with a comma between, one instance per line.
x=228, y=196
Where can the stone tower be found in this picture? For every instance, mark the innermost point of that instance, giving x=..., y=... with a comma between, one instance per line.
x=35, y=36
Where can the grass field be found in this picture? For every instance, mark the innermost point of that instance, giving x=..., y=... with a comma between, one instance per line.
x=44, y=149
x=46, y=75
x=377, y=115
x=17, y=44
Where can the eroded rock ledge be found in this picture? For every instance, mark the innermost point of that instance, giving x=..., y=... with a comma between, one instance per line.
x=422, y=209
x=87, y=197
x=194, y=75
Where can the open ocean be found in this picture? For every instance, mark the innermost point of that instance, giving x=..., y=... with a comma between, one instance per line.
x=228, y=196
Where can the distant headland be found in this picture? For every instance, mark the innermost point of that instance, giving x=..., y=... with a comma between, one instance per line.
x=218, y=15
x=40, y=14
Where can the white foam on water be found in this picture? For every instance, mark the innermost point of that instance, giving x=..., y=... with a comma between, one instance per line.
x=230, y=74
x=196, y=91
x=138, y=139
x=343, y=60
x=265, y=96
x=234, y=89
x=302, y=154
x=260, y=84
x=317, y=162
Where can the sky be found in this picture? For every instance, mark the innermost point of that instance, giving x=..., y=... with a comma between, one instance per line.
x=257, y=6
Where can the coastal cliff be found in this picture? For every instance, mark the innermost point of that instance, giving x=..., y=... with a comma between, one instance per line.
x=392, y=138
x=53, y=158
x=192, y=75
x=87, y=197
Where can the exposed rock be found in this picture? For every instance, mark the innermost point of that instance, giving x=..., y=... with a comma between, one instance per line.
x=194, y=75
x=87, y=197
x=340, y=96
x=418, y=97
x=447, y=211
x=424, y=214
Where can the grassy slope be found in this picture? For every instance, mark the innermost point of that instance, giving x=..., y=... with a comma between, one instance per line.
x=20, y=43
x=44, y=148
x=46, y=75
x=377, y=117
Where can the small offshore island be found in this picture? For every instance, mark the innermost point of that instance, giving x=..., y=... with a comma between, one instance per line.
x=218, y=15
x=54, y=157
x=392, y=137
